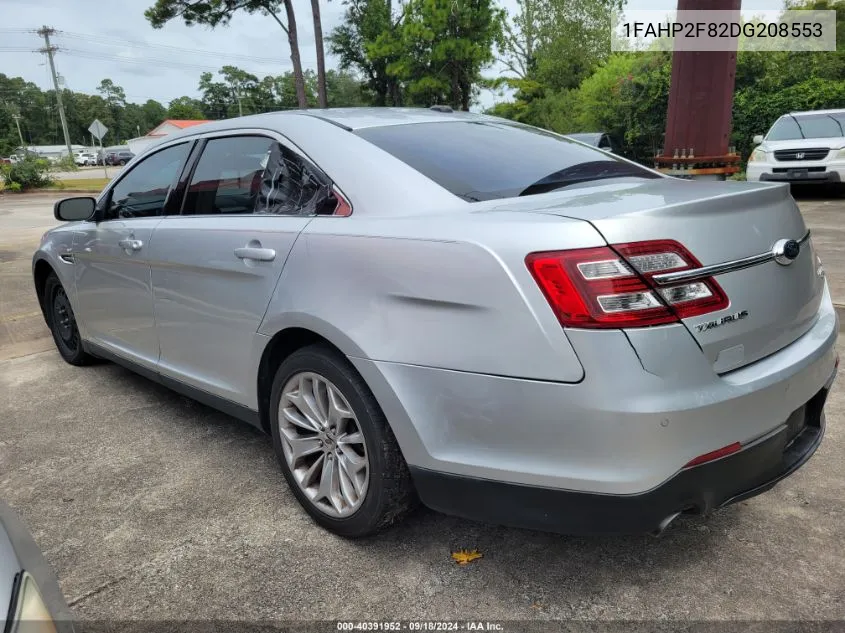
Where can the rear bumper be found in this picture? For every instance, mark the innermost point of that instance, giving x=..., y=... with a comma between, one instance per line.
x=648, y=404
x=700, y=489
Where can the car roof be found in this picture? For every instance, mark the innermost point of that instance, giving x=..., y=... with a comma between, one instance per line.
x=346, y=118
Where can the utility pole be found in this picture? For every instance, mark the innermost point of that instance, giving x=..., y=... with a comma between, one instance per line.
x=46, y=32
x=17, y=118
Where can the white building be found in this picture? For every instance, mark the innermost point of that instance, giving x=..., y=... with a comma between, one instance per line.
x=169, y=126
x=51, y=152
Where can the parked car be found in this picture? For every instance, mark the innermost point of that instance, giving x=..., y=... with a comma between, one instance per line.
x=29, y=591
x=601, y=140
x=495, y=319
x=801, y=147
x=85, y=159
x=119, y=158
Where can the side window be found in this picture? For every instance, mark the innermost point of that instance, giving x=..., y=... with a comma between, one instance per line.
x=254, y=175
x=142, y=192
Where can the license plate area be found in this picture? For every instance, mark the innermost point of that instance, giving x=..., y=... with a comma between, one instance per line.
x=798, y=173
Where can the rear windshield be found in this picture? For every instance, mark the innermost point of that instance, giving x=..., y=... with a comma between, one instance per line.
x=481, y=160
x=790, y=128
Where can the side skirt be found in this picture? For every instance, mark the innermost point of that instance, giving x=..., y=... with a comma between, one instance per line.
x=215, y=402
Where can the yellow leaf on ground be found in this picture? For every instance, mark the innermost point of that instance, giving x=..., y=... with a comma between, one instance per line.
x=462, y=557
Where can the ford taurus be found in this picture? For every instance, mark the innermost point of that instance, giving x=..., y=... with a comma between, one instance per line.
x=429, y=305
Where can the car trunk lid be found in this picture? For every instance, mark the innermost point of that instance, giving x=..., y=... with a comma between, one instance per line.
x=771, y=304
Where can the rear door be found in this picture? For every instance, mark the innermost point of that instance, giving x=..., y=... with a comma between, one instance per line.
x=215, y=267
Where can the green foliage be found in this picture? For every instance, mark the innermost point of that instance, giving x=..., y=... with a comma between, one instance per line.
x=627, y=94
x=430, y=51
x=40, y=118
x=207, y=13
x=215, y=13
x=185, y=108
x=628, y=97
x=29, y=173
x=557, y=42
x=40, y=125
x=65, y=163
x=443, y=46
x=367, y=42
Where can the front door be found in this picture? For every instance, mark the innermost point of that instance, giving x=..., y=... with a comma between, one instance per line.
x=111, y=255
x=215, y=267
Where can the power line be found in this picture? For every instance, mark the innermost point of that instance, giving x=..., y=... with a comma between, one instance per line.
x=110, y=41
x=167, y=63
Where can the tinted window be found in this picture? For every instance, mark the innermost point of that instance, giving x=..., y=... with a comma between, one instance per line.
x=485, y=160
x=253, y=174
x=790, y=128
x=142, y=192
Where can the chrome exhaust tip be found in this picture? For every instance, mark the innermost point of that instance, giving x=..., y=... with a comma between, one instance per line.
x=665, y=523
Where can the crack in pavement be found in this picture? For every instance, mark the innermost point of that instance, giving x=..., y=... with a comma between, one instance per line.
x=180, y=547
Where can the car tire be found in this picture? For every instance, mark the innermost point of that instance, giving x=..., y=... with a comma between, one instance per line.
x=386, y=490
x=62, y=323
x=121, y=162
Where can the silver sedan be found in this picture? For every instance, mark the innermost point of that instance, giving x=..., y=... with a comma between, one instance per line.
x=493, y=319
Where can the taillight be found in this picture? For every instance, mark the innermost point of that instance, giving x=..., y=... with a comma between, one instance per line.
x=343, y=208
x=612, y=287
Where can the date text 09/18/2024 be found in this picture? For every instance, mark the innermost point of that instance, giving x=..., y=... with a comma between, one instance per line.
x=420, y=625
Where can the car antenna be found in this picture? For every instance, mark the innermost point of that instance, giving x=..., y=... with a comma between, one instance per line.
x=441, y=108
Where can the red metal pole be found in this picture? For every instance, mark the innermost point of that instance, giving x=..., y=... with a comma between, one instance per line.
x=700, y=102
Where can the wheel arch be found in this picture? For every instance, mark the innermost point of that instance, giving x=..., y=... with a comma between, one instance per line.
x=41, y=270
x=281, y=345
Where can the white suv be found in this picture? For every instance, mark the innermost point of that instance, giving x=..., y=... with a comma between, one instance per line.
x=801, y=147
x=83, y=159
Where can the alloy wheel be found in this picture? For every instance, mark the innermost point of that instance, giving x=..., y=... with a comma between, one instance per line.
x=323, y=444
x=63, y=319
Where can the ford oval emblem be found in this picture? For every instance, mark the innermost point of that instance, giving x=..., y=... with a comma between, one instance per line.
x=786, y=251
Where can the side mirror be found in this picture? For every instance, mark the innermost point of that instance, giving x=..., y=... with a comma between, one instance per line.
x=758, y=139
x=74, y=209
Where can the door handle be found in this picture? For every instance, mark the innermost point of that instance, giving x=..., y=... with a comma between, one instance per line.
x=255, y=253
x=130, y=244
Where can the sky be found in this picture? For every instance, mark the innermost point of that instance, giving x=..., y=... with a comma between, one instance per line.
x=100, y=39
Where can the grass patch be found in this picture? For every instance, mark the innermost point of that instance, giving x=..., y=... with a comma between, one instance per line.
x=83, y=184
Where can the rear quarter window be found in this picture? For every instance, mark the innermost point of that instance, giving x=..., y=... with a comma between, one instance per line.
x=484, y=160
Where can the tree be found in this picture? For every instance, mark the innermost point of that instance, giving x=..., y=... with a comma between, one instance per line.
x=557, y=42
x=154, y=113
x=185, y=108
x=236, y=95
x=116, y=99
x=344, y=90
x=520, y=36
x=444, y=45
x=215, y=13
x=365, y=42
x=322, y=99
